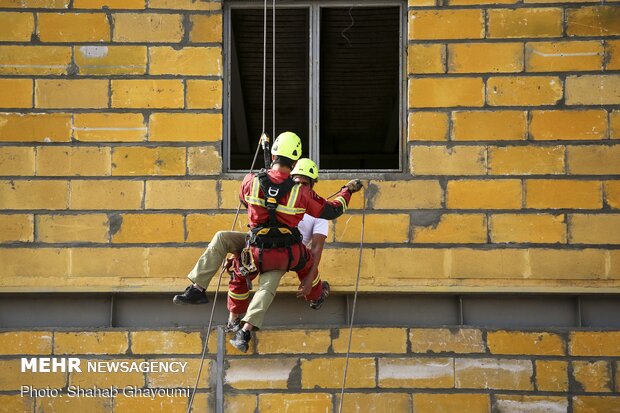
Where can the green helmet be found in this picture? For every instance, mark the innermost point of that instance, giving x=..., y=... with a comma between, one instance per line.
x=306, y=167
x=287, y=144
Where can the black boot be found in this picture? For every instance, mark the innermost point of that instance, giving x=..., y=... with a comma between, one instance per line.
x=316, y=304
x=241, y=340
x=233, y=326
x=191, y=295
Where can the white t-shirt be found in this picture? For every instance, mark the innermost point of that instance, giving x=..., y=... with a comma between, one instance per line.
x=310, y=225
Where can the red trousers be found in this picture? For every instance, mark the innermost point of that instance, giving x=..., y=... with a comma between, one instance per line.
x=272, y=259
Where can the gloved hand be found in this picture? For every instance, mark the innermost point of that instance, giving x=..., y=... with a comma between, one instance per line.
x=229, y=262
x=354, y=185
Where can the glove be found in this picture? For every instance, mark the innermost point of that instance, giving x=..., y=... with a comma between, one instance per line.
x=354, y=185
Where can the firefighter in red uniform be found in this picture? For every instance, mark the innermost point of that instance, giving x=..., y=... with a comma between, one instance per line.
x=274, y=245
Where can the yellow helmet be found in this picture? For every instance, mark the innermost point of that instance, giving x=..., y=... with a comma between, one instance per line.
x=306, y=167
x=287, y=144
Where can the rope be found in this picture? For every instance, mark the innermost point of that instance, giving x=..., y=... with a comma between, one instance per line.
x=217, y=290
x=264, y=60
x=357, y=283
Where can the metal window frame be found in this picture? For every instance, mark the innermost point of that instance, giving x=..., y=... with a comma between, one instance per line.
x=314, y=8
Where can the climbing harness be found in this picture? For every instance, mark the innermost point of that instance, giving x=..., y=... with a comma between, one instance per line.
x=357, y=282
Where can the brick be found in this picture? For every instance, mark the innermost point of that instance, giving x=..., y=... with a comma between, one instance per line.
x=489, y=125
x=72, y=228
x=594, y=159
x=499, y=374
x=165, y=342
x=31, y=263
x=585, y=264
x=108, y=262
x=164, y=404
x=293, y=341
x=596, y=404
x=417, y=194
x=49, y=4
x=612, y=194
x=441, y=160
x=16, y=27
x=524, y=90
x=73, y=27
x=185, y=194
x=274, y=373
x=485, y=57
x=444, y=340
x=242, y=403
x=34, y=60
x=204, y=160
x=169, y=262
x=110, y=4
x=531, y=404
x=552, y=375
x=105, y=194
x=25, y=342
x=388, y=268
x=66, y=404
x=450, y=228
x=426, y=58
x=451, y=403
x=147, y=28
x=479, y=2
x=445, y=24
x=202, y=227
x=375, y=402
x=526, y=160
x=206, y=28
x=348, y=228
x=110, y=60
x=291, y=402
x=568, y=124
x=593, y=21
x=12, y=378
x=82, y=93
x=497, y=263
x=416, y=372
x=119, y=379
x=148, y=161
x=594, y=343
x=531, y=343
x=16, y=161
x=16, y=403
x=528, y=228
x=421, y=3
x=229, y=194
x=204, y=94
x=428, y=126
x=612, y=55
x=558, y=194
x=524, y=22
x=151, y=93
x=372, y=340
x=594, y=229
x=191, y=61
x=109, y=127
x=482, y=194
x=185, y=379
x=185, y=127
x=564, y=56
x=33, y=195
x=446, y=92
x=614, y=124
x=592, y=376
x=73, y=161
x=86, y=342
x=593, y=90
x=149, y=228
x=16, y=228
x=35, y=127
x=326, y=373
x=185, y=5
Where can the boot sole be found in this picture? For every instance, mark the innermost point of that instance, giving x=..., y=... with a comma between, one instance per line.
x=176, y=300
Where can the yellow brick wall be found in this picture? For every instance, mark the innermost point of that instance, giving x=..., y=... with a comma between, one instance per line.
x=391, y=369
x=111, y=132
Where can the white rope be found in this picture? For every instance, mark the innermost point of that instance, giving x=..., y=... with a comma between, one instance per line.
x=273, y=67
x=357, y=283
